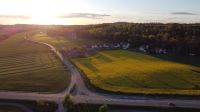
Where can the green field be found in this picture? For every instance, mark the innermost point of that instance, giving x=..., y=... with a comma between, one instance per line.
x=64, y=43
x=133, y=72
x=9, y=109
x=27, y=66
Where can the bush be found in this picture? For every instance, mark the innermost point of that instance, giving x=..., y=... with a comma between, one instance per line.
x=44, y=106
x=69, y=104
x=103, y=108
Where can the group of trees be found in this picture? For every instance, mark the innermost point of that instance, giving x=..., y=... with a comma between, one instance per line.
x=73, y=107
x=45, y=106
x=176, y=38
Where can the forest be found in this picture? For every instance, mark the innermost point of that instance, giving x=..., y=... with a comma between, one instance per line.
x=176, y=38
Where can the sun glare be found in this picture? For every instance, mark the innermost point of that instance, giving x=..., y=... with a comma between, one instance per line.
x=40, y=20
x=44, y=14
x=45, y=11
x=48, y=12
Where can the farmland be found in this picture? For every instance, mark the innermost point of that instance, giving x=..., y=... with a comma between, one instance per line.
x=9, y=109
x=27, y=66
x=133, y=72
x=64, y=43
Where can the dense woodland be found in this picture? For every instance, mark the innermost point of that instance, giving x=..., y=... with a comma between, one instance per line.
x=176, y=38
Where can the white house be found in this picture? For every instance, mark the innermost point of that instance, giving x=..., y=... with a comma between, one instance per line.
x=126, y=46
x=142, y=49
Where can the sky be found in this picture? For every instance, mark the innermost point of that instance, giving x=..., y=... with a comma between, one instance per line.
x=81, y=12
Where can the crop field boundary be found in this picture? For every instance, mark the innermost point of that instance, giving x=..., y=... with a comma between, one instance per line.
x=97, y=89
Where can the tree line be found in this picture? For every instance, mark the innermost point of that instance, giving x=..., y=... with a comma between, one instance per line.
x=176, y=38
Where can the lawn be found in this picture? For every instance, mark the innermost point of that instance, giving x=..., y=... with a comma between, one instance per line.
x=27, y=66
x=132, y=72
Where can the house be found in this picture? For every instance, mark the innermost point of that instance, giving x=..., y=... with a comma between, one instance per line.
x=94, y=46
x=157, y=50
x=116, y=46
x=126, y=46
x=105, y=46
x=142, y=49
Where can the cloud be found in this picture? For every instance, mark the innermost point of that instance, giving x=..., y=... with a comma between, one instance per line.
x=15, y=16
x=183, y=13
x=84, y=15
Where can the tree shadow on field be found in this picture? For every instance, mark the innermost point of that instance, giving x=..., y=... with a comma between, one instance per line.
x=195, y=71
x=127, y=82
x=102, y=57
x=88, y=64
x=189, y=60
x=168, y=80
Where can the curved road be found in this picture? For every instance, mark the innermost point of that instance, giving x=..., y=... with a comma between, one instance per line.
x=81, y=94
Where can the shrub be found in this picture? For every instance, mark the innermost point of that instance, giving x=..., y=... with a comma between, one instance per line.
x=103, y=108
x=44, y=106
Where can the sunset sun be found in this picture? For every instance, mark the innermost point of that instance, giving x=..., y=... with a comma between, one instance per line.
x=41, y=11
x=44, y=14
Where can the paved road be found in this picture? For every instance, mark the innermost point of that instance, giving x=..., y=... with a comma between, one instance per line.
x=82, y=94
